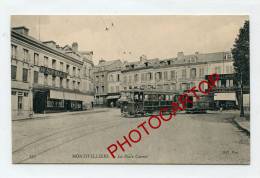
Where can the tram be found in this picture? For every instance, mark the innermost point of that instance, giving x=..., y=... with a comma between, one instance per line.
x=137, y=102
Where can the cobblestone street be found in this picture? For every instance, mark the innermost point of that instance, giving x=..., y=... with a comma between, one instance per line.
x=189, y=139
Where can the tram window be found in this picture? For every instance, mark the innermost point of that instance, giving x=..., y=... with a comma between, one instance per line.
x=141, y=97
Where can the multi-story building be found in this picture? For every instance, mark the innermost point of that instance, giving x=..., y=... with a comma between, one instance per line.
x=177, y=74
x=107, y=82
x=47, y=77
x=181, y=73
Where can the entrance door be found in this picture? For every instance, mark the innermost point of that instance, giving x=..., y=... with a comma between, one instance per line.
x=20, y=104
x=39, y=102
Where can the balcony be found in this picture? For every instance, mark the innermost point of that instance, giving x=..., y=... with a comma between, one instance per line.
x=53, y=72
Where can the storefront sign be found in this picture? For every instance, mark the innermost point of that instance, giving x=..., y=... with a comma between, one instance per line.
x=53, y=72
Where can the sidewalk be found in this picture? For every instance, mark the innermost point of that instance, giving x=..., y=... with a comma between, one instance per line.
x=243, y=123
x=52, y=115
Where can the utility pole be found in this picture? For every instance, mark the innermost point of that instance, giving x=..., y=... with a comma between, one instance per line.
x=241, y=93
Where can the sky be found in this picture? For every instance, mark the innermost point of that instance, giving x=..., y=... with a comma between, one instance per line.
x=129, y=37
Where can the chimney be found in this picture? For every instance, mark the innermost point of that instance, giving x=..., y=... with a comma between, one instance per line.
x=87, y=54
x=180, y=55
x=22, y=30
x=101, y=61
x=143, y=58
x=75, y=46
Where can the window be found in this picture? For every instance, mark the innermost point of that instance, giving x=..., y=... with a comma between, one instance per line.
x=103, y=89
x=218, y=69
x=112, y=89
x=136, y=77
x=53, y=64
x=53, y=81
x=150, y=76
x=111, y=77
x=231, y=83
x=25, y=94
x=227, y=83
x=45, y=79
x=36, y=59
x=193, y=73
x=159, y=76
x=78, y=72
x=20, y=102
x=74, y=71
x=173, y=75
x=173, y=86
x=61, y=82
x=183, y=73
x=78, y=85
x=192, y=84
x=25, y=75
x=125, y=79
x=45, y=61
x=25, y=55
x=67, y=83
x=97, y=89
x=73, y=84
x=118, y=77
x=35, y=76
x=14, y=51
x=165, y=75
x=142, y=77
x=183, y=86
x=61, y=66
x=201, y=72
x=13, y=72
x=13, y=92
x=130, y=79
x=68, y=68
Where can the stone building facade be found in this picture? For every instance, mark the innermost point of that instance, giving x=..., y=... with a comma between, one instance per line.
x=48, y=78
x=107, y=77
x=176, y=74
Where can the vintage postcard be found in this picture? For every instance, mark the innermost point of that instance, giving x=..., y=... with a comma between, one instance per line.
x=130, y=89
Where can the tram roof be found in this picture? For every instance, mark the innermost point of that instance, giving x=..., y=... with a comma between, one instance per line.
x=151, y=91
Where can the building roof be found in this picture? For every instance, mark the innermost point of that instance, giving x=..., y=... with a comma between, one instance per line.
x=196, y=58
x=108, y=65
x=54, y=47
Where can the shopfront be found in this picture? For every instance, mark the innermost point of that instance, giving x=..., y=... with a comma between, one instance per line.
x=225, y=100
x=46, y=101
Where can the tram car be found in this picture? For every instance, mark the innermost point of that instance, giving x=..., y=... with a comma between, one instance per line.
x=137, y=102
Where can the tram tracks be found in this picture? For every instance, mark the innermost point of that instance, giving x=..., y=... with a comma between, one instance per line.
x=56, y=139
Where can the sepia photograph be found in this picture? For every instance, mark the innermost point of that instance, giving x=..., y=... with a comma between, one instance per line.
x=130, y=89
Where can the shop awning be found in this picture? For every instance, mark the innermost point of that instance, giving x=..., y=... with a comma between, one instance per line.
x=113, y=97
x=225, y=97
x=54, y=94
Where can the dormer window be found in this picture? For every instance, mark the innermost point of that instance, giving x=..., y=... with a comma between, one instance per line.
x=146, y=64
x=132, y=66
x=169, y=62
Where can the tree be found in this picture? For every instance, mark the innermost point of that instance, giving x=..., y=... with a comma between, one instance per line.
x=241, y=56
